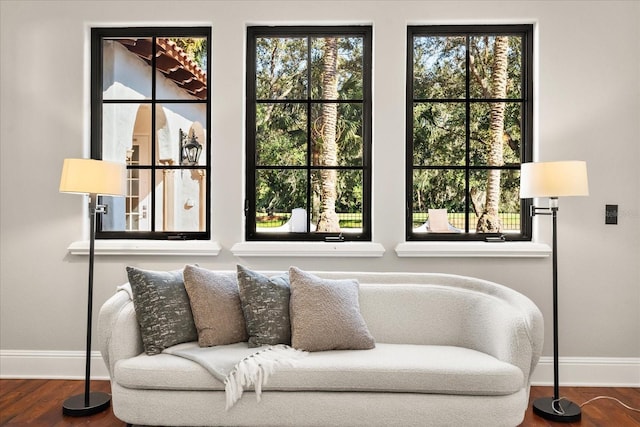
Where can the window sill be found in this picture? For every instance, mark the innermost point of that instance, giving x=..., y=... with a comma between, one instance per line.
x=308, y=249
x=473, y=250
x=147, y=247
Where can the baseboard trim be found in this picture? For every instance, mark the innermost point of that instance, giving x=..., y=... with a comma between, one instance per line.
x=589, y=372
x=574, y=371
x=69, y=365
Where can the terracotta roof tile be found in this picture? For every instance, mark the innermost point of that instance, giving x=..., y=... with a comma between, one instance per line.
x=173, y=62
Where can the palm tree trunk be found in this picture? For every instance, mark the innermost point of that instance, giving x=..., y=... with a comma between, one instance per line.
x=489, y=221
x=328, y=220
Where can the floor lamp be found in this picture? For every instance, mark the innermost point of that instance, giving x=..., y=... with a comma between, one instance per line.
x=92, y=177
x=553, y=180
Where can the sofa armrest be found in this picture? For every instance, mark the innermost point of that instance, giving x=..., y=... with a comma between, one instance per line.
x=118, y=330
x=510, y=327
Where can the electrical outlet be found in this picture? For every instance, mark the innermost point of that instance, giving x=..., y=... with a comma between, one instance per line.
x=611, y=214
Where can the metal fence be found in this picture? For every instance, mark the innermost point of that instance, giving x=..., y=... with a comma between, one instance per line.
x=347, y=220
x=510, y=220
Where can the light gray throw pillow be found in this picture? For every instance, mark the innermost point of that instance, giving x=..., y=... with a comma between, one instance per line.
x=162, y=308
x=325, y=314
x=215, y=302
x=265, y=304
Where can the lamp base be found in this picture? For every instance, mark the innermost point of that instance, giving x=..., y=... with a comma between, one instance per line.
x=75, y=405
x=563, y=411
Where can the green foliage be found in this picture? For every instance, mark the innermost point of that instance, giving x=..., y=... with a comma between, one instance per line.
x=195, y=48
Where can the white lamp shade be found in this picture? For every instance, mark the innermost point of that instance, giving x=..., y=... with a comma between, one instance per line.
x=553, y=179
x=88, y=176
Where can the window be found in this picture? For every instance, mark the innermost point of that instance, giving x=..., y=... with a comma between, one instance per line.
x=469, y=127
x=150, y=108
x=308, y=133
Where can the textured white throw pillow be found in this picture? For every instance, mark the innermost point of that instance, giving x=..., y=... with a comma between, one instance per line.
x=325, y=314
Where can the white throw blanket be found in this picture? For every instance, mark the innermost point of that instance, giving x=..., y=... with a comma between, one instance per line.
x=237, y=365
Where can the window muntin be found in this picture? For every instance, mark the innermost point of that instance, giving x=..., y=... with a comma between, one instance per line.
x=149, y=98
x=469, y=127
x=308, y=133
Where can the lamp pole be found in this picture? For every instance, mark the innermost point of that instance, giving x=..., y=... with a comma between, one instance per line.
x=89, y=403
x=555, y=408
x=556, y=371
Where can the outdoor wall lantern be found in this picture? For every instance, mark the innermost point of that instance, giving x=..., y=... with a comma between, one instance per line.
x=190, y=149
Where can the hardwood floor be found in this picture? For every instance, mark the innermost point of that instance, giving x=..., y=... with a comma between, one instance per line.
x=38, y=403
x=599, y=413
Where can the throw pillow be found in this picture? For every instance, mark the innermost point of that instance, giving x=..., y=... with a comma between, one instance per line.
x=162, y=308
x=265, y=304
x=215, y=302
x=325, y=314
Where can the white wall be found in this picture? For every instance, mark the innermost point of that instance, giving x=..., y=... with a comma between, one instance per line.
x=588, y=108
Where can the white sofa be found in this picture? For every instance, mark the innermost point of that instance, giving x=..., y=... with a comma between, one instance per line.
x=450, y=351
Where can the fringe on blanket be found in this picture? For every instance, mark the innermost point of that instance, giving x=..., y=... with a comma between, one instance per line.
x=254, y=370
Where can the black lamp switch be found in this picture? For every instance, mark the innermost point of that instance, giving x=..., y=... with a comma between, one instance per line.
x=611, y=214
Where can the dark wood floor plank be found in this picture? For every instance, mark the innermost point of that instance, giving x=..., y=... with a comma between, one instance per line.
x=22, y=399
x=603, y=410
x=38, y=403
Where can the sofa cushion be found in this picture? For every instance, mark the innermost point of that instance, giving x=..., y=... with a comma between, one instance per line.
x=215, y=302
x=265, y=304
x=387, y=367
x=164, y=372
x=325, y=314
x=402, y=368
x=162, y=308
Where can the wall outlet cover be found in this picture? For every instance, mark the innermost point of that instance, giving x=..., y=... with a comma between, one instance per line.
x=611, y=214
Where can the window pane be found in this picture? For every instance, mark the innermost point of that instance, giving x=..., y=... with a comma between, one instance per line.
x=336, y=68
x=338, y=191
x=438, y=134
x=336, y=132
x=496, y=66
x=125, y=70
x=182, y=61
x=281, y=134
x=505, y=202
x=135, y=215
x=278, y=193
x=499, y=148
x=439, y=67
x=180, y=200
x=131, y=212
x=125, y=127
x=178, y=124
x=438, y=189
x=281, y=68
